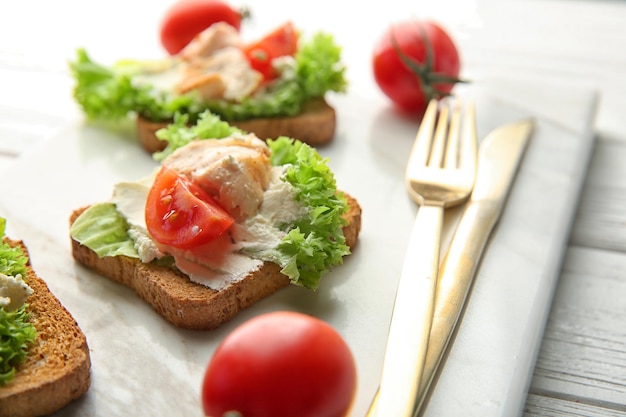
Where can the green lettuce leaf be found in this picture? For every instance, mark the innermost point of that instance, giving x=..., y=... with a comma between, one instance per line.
x=102, y=229
x=108, y=94
x=16, y=334
x=12, y=259
x=16, y=331
x=319, y=68
x=179, y=133
x=316, y=242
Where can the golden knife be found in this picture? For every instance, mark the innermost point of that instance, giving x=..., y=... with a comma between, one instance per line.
x=499, y=157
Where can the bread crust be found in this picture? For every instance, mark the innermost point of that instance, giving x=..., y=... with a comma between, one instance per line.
x=315, y=125
x=187, y=304
x=57, y=369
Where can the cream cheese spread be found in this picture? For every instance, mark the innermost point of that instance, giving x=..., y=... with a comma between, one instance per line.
x=13, y=292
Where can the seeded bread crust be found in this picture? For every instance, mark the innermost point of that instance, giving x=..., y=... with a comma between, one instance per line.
x=314, y=126
x=187, y=304
x=57, y=369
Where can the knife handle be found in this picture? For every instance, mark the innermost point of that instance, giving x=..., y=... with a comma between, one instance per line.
x=456, y=275
x=412, y=316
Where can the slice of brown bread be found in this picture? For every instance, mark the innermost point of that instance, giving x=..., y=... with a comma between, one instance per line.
x=187, y=304
x=314, y=126
x=57, y=369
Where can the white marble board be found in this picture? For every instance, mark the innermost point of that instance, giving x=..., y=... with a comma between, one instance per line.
x=143, y=364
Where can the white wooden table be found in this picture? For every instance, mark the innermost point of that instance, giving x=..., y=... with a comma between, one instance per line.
x=581, y=367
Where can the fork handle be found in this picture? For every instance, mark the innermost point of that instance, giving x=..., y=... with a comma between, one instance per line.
x=412, y=317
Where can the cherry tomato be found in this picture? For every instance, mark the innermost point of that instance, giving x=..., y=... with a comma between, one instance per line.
x=281, y=364
x=181, y=214
x=280, y=42
x=415, y=61
x=186, y=18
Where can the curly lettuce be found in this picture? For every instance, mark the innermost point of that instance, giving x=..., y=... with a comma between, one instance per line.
x=110, y=94
x=16, y=331
x=179, y=133
x=315, y=243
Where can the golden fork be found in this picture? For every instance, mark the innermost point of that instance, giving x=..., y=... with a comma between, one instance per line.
x=440, y=174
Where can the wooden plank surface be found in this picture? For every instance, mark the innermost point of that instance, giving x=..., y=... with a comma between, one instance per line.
x=581, y=367
x=601, y=218
x=544, y=406
x=583, y=354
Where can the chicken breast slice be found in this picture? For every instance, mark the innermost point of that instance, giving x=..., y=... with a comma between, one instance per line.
x=217, y=36
x=225, y=74
x=235, y=171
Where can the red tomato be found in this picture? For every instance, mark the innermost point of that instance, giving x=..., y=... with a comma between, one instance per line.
x=405, y=70
x=181, y=214
x=280, y=42
x=281, y=364
x=186, y=18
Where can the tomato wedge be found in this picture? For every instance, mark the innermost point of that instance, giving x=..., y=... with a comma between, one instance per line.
x=181, y=214
x=281, y=41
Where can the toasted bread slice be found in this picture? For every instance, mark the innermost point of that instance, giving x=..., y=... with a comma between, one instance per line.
x=187, y=304
x=314, y=126
x=57, y=369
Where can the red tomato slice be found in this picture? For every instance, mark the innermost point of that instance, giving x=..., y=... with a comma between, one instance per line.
x=181, y=214
x=281, y=364
x=280, y=42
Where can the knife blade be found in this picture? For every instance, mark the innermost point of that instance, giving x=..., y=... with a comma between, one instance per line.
x=499, y=157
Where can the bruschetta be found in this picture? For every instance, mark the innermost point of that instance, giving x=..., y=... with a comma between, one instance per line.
x=275, y=86
x=226, y=220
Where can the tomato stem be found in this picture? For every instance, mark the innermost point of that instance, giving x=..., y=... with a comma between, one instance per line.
x=244, y=13
x=424, y=71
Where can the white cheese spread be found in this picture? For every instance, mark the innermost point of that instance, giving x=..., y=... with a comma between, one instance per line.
x=130, y=200
x=164, y=79
x=13, y=292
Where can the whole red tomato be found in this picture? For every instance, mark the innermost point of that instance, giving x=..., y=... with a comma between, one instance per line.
x=415, y=61
x=186, y=18
x=281, y=364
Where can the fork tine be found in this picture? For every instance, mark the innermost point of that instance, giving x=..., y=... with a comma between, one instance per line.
x=452, y=151
x=439, y=139
x=424, y=134
x=468, y=154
